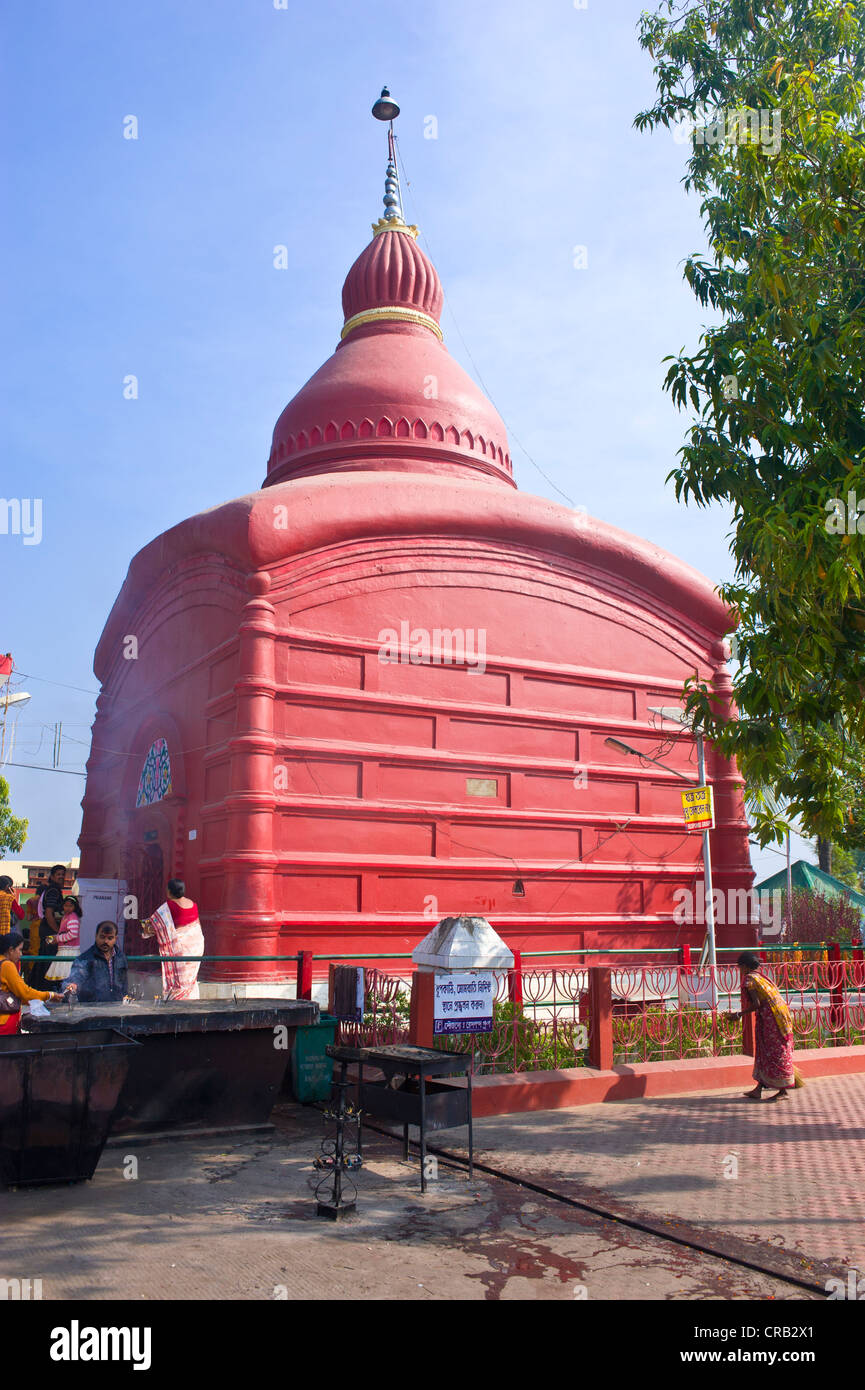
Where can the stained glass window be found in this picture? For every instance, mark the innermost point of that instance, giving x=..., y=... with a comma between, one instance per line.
x=155, y=780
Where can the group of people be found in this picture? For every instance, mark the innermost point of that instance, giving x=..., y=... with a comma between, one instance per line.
x=53, y=920
x=100, y=974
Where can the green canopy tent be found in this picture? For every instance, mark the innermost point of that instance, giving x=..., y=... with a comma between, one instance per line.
x=809, y=876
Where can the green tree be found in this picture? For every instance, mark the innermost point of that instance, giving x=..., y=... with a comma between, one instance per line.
x=847, y=865
x=13, y=830
x=773, y=91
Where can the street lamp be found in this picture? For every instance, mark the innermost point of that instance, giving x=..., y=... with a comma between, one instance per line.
x=678, y=716
x=635, y=753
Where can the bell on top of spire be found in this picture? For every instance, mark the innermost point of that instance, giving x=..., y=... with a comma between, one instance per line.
x=385, y=109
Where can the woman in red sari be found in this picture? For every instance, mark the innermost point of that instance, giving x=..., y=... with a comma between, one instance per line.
x=178, y=933
x=773, y=1031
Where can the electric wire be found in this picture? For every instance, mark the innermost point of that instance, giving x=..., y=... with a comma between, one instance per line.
x=477, y=372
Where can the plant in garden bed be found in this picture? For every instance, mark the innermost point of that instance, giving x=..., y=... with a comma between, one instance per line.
x=382, y=1015
x=519, y=1042
x=654, y=1036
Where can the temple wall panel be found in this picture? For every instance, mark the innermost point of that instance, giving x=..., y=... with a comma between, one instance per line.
x=319, y=892
x=351, y=835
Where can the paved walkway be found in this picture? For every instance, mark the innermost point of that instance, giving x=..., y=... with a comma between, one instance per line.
x=797, y=1167
x=236, y=1220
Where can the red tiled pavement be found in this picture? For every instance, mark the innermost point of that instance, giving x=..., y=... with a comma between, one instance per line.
x=550, y=1090
x=800, y=1162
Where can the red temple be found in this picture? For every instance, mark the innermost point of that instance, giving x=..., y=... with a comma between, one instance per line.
x=377, y=691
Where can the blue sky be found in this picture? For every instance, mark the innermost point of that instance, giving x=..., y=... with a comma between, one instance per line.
x=154, y=257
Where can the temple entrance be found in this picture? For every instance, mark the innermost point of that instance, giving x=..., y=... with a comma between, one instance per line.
x=147, y=884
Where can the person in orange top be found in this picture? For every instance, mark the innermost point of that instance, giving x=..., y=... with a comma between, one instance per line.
x=11, y=982
x=8, y=905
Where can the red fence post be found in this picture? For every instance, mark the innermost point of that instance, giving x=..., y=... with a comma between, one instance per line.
x=304, y=975
x=681, y=994
x=837, y=989
x=858, y=971
x=600, y=1017
x=515, y=980
x=421, y=1008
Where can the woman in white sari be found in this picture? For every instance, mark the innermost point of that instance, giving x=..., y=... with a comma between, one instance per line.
x=178, y=933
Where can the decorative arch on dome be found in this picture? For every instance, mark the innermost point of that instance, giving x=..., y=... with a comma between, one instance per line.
x=348, y=430
x=419, y=430
x=436, y=432
x=384, y=427
x=366, y=429
x=331, y=432
x=403, y=428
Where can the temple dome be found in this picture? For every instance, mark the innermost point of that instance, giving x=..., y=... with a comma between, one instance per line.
x=392, y=270
x=391, y=396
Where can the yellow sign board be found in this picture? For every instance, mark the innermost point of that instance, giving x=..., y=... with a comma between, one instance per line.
x=699, y=809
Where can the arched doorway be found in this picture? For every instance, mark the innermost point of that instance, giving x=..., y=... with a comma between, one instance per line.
x=146, y=883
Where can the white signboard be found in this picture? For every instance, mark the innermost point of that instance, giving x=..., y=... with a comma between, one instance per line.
x=101, y=901
x=464, y=1002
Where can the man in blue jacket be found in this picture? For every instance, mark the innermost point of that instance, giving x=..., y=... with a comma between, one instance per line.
x=100, y=975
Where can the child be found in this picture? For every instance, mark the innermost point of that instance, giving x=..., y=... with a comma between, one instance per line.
x=67, y=939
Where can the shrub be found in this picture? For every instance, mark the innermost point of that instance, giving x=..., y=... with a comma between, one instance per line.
x=816, y=917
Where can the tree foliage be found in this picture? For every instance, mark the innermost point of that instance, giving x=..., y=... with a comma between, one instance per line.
x=773, y=90
x=13, y=830
x=847, y=865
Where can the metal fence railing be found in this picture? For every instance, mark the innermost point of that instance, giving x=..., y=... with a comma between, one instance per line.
x=565, y=1009
x=546, y=1019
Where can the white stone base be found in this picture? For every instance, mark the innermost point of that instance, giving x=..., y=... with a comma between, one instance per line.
x=247, y=989
x=228, y=989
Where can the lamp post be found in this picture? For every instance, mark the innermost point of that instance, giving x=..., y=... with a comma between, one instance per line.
x=677, y=717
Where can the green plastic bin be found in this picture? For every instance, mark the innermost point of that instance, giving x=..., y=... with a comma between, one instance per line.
x=311, y=1068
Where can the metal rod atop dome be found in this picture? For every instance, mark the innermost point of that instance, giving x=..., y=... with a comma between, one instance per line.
x=386, y=109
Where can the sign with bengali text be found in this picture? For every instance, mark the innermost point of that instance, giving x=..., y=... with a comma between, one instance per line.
x=699, y=809
x=464, y=1002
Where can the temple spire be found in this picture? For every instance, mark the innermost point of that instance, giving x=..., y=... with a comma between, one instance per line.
x=386, y=109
